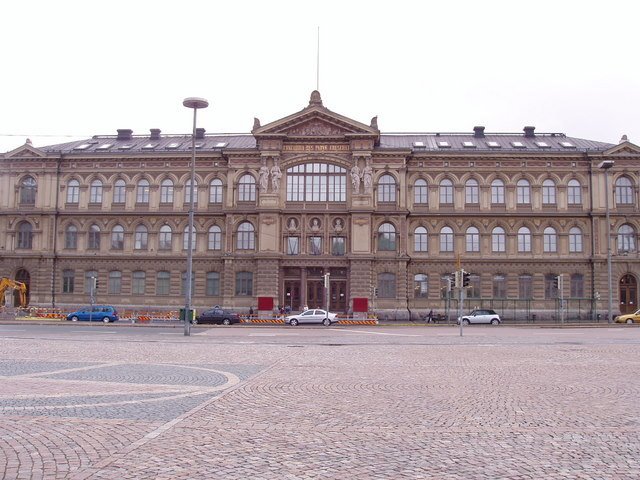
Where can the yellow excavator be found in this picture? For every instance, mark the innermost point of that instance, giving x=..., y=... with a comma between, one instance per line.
x=6, y=283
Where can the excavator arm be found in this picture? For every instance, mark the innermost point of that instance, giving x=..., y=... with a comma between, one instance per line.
x=6, y=283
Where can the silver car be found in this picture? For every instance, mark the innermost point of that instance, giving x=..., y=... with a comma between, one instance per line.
x=312, y=316
x=481, y=315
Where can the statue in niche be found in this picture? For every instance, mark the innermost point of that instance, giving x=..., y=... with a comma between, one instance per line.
x=367, y=177
x=355, y=178
x=276, y=175
x=293, y=225
x=337, y=226
x=315, y=224
x=263, y=177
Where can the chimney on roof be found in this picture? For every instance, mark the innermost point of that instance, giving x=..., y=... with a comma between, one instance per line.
x=124, y=134
x=155, y=134
x=529, y=132
x=200, y=133
x=478, y=132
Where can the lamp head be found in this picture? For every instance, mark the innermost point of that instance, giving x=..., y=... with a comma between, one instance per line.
x=195, y=102
x=606, y=164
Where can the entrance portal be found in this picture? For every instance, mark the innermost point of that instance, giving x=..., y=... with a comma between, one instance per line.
x=628, y=294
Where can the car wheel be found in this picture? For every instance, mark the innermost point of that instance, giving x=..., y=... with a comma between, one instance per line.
x=629, y=320
x=74, y=319
x=495, y=321
x=106, y=319
x=465, y=321
x=293, y=322
x=226, y=321
x=326, y=322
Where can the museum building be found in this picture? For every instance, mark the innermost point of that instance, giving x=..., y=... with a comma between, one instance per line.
x=388, y=216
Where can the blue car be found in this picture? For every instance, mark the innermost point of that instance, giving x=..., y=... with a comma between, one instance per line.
x=96, y=313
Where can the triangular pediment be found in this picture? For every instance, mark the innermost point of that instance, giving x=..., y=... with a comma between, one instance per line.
x=623, y=148
x=26, y=150
x=316, y=121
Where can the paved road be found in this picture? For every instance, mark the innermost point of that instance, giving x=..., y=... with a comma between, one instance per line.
x=105, y=402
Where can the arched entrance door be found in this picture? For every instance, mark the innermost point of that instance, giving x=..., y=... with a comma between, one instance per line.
x=628, y=294
x=23, y=276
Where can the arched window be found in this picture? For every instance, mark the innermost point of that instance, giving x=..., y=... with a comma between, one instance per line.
x=93, y=242
x=28, y=188
x=472, y=239
x=25, y=235
x=166, y=191
x=523, y=192
x=446, y=239
x=73, y=191
x=575, y=240
x=115, y=282
x=95, y=192
x=524, y=239
x=550, y=243
x=213, y=284
x=187, y=192
x=471, y=191
x=246, y=239
x=387, y=189
x=624, y=191
x=497, y=192
x=548, y=192
x=185, y=238
x=141, y=238
x=165, y=239
x=420, y=285
x=117, y=238
x=420, y=240
x=387, y=237
x=574, y=192
x=215, y=191
x=446, y=192
x=247, y=188
x=626, y=239
x=498, y=240
x=142, y=191
x=386, y=285
x=420, y=192
x=316, y=182
x=215, y=238
x=119, y=191
x=71, y=237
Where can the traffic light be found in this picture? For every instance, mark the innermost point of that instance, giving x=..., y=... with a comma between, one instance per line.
x=457, y=281
x=375, y=292
x=556, y=282
x=95, y=283
x=466, y=279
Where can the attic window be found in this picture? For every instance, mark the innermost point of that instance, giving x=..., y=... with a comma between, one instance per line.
x=418, y=144
x=221, y=144
x=84, y=146
x=125, y=147
x=198, y=145
x=518, y=145
x=542, y=145
x=444, y=144
x=468, y=145
x=173, y=145
x=493, y=144
x=105, y=146
x=567, y=145
x=150, y=146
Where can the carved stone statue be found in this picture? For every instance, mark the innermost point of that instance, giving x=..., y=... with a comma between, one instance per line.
x=315, y=224
x=355, y=178
x=263, y=177
x=374, y=122
x=367, y=177
x=276, y=175
x=256, y=124
x=337, y=226
x=292, y=225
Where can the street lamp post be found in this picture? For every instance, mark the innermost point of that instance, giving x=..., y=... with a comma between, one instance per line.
x=195, y=103
x=606, y=165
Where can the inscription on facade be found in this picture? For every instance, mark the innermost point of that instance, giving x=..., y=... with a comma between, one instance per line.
x=315, y=148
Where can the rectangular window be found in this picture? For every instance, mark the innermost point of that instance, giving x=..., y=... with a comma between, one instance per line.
x=115, y=283
x=163, y=283
x=499, y=286
x=338, y=246
x=138, y=279
x=68, y=281
x=293, y=245
x=213, y=284
x=525, y=286
x=577, y=286
x=315, y=245
x=244, y=284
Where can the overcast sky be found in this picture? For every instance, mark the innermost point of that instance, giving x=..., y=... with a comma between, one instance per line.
x=73, y=69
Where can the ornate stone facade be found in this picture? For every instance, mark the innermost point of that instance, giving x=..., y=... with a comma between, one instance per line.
x=388, y=216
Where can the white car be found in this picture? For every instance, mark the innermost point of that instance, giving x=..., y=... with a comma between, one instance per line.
x=481, y=315
x=312, y=316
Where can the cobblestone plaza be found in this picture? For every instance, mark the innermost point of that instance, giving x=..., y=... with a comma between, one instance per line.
x=386, y=402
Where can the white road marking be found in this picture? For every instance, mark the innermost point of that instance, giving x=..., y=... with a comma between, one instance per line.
x=10, y=330
x=376, y=333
